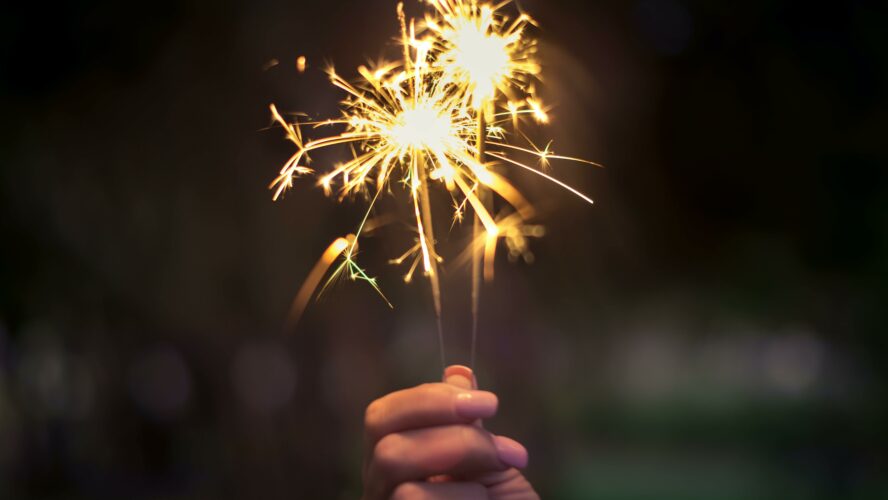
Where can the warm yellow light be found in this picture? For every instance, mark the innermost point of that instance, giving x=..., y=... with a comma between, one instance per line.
x=539, y=114
x=422, y=127
x=480, y=49
x=446, y=172
x=482, y=57
x=436, y=117
x=325, y=183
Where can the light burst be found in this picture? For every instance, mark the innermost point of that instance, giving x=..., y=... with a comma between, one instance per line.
x=481, y=49
x=434, y=118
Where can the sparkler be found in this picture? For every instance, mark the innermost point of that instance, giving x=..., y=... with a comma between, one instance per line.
x=432, y=119
x=484, y=53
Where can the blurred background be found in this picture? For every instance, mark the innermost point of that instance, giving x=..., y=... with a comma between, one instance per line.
x=713, y=328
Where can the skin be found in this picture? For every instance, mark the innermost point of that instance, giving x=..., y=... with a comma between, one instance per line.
x=427, y=443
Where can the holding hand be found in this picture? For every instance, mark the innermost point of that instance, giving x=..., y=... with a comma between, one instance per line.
x=427, y=443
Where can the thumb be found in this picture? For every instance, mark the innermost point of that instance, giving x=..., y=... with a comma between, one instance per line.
x=460, y=376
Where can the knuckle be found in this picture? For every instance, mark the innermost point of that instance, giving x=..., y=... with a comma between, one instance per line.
x=436, y=395
x=476, y=444
x=466, y=445
x=373, y=415
x=438, y=388
x=387, y=453
x=444, y=390
x=471, y=436
x=429, y=386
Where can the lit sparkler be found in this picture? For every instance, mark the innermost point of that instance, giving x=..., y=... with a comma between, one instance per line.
x=432, y=119
x=485, y=53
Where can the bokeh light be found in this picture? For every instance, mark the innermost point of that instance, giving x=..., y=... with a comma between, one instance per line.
x=713, y=327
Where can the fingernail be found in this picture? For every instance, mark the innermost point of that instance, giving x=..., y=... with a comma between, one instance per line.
x=460, y=376
x=475, y=404
x=510, y=452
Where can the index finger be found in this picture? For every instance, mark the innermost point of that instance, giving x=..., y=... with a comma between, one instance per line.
x=426, y=405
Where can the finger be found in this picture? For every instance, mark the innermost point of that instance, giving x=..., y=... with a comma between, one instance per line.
x=426, y=406
x=510, y=452
x=460, y=376
x=454, y=450
x=439, y=491
x=509, y=484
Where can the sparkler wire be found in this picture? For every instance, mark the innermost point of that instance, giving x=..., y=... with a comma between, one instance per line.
x=477, y=251
x=433, y=119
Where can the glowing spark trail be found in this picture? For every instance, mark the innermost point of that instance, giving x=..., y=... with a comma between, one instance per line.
x=433, y=119
x=483, y=52
x=481, y=49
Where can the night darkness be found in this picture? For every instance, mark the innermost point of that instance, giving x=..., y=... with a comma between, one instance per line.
x=714, y=327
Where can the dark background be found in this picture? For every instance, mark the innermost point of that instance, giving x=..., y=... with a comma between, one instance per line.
x=713, y=328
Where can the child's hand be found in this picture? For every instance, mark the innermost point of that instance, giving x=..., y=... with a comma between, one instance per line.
x=427, y=443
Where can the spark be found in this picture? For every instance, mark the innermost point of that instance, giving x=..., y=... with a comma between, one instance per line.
x=316, y=275
x=403, y=123
x=539, y=114
x=515, y=232
x=439, y=117
x=481, y=49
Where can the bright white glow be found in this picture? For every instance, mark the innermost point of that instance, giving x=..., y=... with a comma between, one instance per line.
x=422, y=127
x=483, y=57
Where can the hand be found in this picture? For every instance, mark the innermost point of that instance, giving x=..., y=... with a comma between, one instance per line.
x=427, y=443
